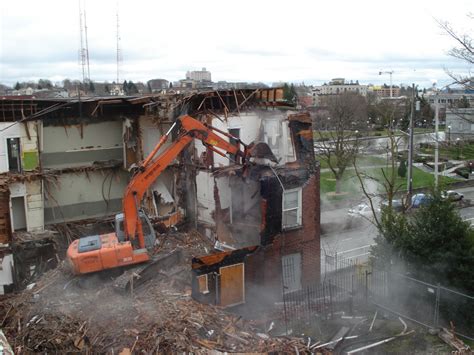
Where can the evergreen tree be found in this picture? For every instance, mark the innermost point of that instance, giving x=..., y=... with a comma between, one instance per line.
x=91, y=87
x=125, y=87
x=402, y=169
x=17, y=86
x=432, y=243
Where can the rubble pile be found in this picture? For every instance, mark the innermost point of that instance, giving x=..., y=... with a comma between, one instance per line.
x=63, y=313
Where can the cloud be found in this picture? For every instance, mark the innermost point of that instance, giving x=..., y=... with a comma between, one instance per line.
x=252, y=41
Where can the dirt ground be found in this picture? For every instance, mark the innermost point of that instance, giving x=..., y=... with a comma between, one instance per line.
x=64, y=313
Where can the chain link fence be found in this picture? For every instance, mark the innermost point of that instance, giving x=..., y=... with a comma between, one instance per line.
x=350, y=285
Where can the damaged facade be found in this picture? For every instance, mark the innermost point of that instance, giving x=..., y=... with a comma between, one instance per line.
x=70, y=160
x=266, y=223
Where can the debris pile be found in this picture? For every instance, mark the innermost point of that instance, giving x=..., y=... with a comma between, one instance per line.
x=63, y=313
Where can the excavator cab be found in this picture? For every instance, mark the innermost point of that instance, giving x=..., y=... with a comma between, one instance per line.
x=148, y=231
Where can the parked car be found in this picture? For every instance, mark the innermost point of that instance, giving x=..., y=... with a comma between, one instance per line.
x=418, y=200
x=362, y=210
x=452, y=195
x=397, y=205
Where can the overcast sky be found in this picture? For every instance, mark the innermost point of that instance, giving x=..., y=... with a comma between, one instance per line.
x=245, y=40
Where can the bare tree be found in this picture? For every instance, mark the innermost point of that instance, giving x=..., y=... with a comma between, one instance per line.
x=390, y=114
x=464, y=50
x=338, y=144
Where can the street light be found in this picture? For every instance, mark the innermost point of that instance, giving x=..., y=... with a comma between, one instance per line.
x=388, y=72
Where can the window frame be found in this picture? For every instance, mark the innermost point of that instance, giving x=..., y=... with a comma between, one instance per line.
x=298, y=208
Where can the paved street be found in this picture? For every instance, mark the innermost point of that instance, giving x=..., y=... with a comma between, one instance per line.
x=354, y=244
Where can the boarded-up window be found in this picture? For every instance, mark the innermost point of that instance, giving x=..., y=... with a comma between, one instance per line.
x=203, y=284
x=232, y=285
x=291, y=268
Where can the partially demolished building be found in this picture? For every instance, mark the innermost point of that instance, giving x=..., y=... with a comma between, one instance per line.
x=66, y=160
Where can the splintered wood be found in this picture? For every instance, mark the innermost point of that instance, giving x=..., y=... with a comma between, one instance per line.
x=62, y=313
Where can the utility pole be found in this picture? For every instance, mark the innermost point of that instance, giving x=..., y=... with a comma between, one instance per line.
x=436, y=139
x=410, y=146
x=119, y=57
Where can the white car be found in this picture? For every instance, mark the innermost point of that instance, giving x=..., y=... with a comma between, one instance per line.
x=452, y=195
x=362, y=210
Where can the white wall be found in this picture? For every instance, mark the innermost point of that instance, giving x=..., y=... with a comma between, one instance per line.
x=100, y=135
x=6, y=272
x=7, y=130
x=32, y=191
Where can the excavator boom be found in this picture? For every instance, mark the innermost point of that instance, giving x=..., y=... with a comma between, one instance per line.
x=95, y=253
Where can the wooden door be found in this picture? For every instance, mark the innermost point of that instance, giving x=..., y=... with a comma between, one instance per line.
x=232, y=285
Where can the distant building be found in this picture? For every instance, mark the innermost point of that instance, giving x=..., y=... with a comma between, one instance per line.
x=385, y=91
x=157, y=85
x=460, y=123
x=335, y=87
x=199, y=75
x=445, y=99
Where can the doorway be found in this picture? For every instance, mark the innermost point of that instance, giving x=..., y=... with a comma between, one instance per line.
x=18, y=213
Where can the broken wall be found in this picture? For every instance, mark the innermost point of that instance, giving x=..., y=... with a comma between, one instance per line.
x=82, y=195
x=240, y=198
x=163, y=199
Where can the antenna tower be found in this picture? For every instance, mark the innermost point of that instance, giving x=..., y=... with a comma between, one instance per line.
x=84, y=45
x=119, y=51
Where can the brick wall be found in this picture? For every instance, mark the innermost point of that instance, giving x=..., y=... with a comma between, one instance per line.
x=263, y=268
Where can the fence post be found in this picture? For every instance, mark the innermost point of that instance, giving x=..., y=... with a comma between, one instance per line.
x=436, y=310
x=366, y=287
x=330, y=299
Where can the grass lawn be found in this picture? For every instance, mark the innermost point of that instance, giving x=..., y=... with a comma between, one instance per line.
x=364, y=160
x=351, y=185
x=317, y=135
x=464, y=151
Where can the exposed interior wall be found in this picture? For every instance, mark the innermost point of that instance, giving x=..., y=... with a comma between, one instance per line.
x=29, y=145
x=81, y=145
x=206, y=196
x=26, y=206
x=84, y=195
x=270, y=127
x=246, y=215
x=165, y=198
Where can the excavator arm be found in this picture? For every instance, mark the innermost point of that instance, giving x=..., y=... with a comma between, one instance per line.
x=152, y=167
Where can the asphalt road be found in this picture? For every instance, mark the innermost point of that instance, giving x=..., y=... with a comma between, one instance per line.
x=354, y=244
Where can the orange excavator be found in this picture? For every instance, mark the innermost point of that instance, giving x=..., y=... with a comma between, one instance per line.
x=134, y=237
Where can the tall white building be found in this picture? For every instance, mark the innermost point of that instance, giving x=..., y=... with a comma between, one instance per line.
x=199, y=75
x=340, y=85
